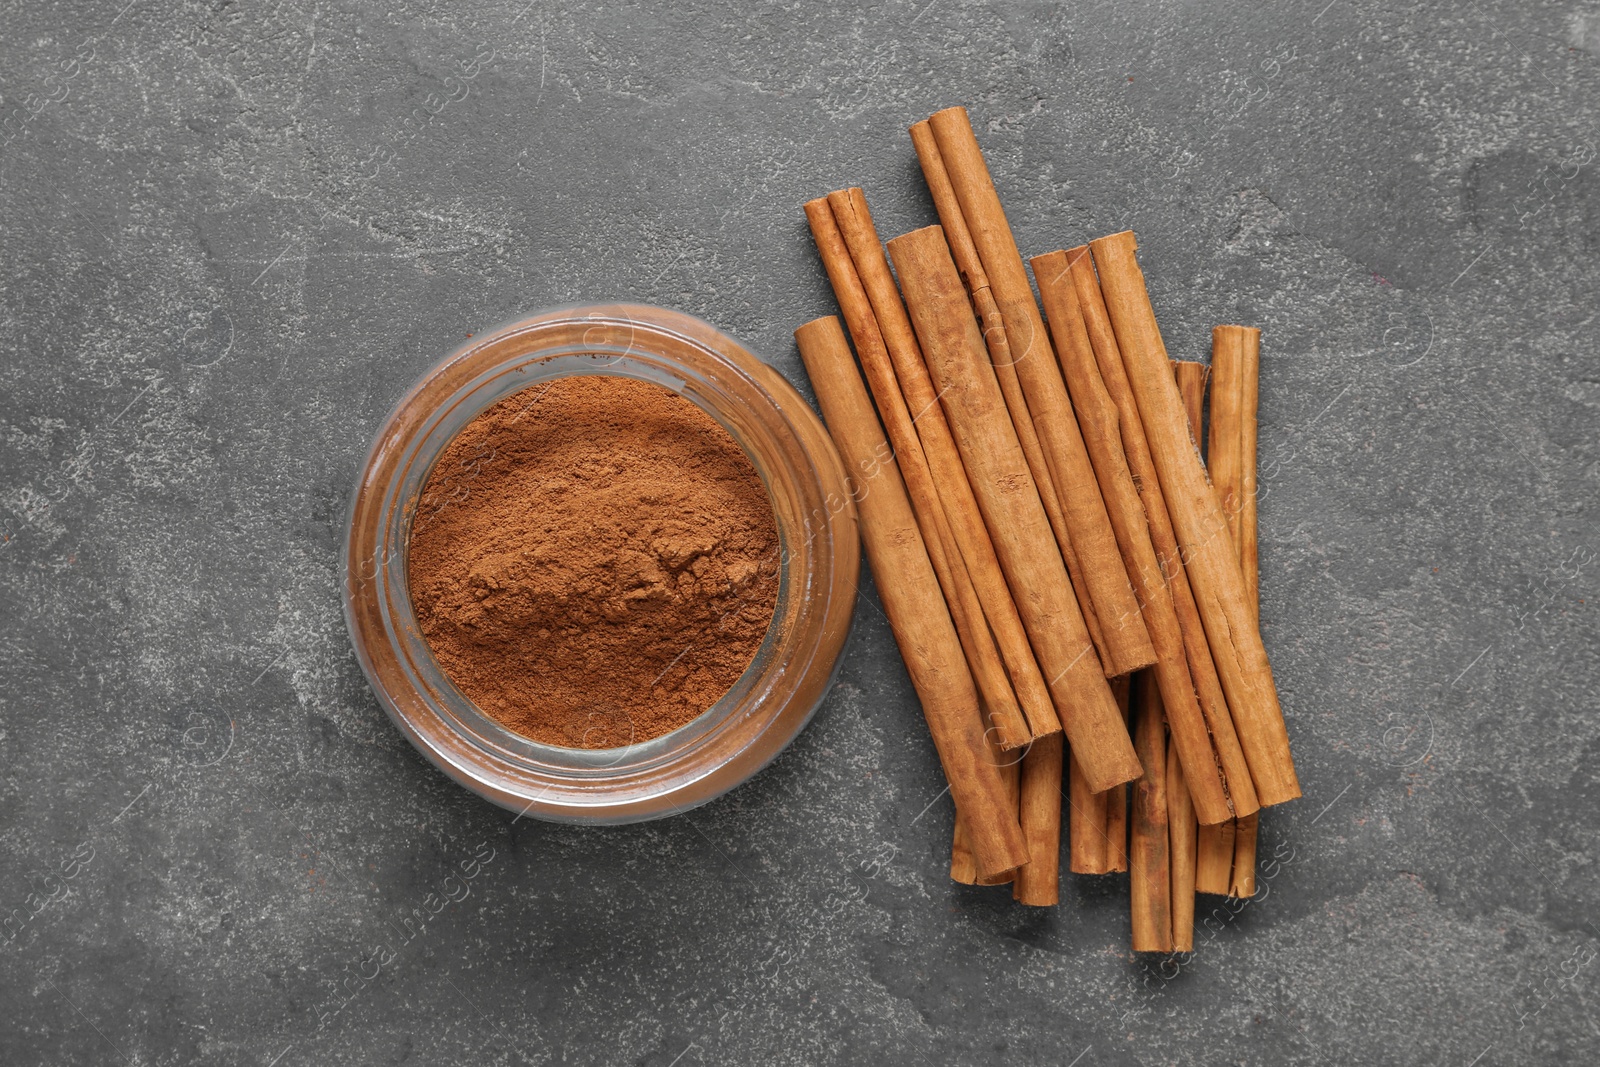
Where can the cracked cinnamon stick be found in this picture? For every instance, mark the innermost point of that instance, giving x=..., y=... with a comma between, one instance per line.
x=1209, y=560
x=998, y=471
x=1098, y=419
x=1191, y=379
x=913, y=602
x=983, y=658
x=999, y=287
x=1202, y=670
x=854, y=221
x=1242, y=881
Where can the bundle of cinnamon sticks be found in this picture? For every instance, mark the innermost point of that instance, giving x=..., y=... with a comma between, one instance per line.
x=1074, y=597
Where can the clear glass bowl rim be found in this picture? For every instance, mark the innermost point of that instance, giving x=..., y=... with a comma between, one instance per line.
x=819, y=567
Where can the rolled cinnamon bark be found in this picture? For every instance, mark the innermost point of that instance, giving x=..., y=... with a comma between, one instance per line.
x=988, y=672
x=1149, y=856
x=1249, y=531
x=963, y=868
x=1214, y=845
x=1244, y=842
x=994, y=336
x=1045, y=395
x=1223, y=451
x=1117, y=829
x=1038, y=881
x=1015, y=518
x=912, y=601
x=1213, y=569
x=1191, y=379
x=1117, y=799
x=1098, y=419
x=1087, y=841
x=849, y=209
x=1011, y=771
x=1213, y=864
x=1231, y=459
x=1003, y=878
x=1202, y=671
x=1181, y=831
x=1242, y=880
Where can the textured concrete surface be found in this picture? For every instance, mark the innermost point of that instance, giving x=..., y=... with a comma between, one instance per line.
x=234, y=232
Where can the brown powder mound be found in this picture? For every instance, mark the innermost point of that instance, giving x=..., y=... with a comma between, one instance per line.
x=594, y=561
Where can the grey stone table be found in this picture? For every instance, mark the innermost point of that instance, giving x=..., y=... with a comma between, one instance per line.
x=234, y=232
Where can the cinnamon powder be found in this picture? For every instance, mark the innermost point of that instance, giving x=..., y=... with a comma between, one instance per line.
x=594, y=561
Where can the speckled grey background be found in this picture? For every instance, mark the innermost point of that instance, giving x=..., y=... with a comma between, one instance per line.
x=234, y=232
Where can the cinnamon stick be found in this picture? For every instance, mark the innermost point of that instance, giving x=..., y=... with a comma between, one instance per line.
x=854, y=222
x=963, y=868
x=1011, y=771
x=1181, y=833
x=1244, y=842
x=999, y=287
x=1202, y=670
x=1098, y=419
x=912, y=601
x=1231, y=458
x=1214, y=845
x=1249, y=531
x=1149, y=856
x=1191, y=379
x=1038, y=881
x=1117, y=798
x=1242, y=882
x=1116, y=829
x=1230, y=626
x=1213, y=865
x=1223, y=454
x=994, y=336
x=1087, y=842
x=998, y=472
x=983, y=658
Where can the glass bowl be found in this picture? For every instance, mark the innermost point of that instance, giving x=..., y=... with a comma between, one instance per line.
x=819, y=563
